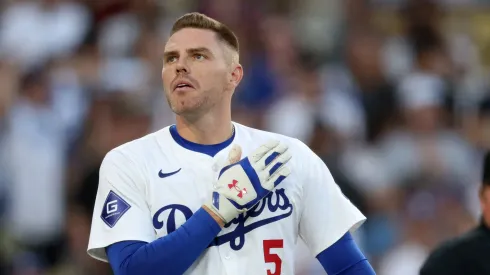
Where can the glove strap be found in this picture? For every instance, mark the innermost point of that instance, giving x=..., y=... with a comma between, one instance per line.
x=222, y=207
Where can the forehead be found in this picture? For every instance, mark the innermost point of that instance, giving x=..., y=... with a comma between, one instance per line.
x=192, y=38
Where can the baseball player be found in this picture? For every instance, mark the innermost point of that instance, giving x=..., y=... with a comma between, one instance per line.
x=211, y=196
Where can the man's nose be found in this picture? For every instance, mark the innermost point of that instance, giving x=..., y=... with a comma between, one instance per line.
x=182, y=67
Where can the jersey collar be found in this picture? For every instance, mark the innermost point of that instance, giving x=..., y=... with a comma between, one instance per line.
x=210, y=150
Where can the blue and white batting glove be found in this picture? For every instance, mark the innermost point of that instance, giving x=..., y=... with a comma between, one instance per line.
x=243, y=184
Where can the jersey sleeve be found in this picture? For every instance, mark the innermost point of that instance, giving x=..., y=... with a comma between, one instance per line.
x=326, y=214
x=120, y=211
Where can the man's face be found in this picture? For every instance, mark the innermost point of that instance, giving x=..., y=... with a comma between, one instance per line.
x=197, y=72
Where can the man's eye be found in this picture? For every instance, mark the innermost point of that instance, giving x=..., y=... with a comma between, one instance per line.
x=171, y=59
x=199, y=57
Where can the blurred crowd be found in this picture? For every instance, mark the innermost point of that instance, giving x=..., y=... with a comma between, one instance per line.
x=399, y=111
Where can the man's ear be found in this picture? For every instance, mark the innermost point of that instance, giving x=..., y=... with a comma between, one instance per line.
x=236, y=74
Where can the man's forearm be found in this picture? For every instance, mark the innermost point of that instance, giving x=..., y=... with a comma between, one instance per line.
x=171, y=254
x=345, y=258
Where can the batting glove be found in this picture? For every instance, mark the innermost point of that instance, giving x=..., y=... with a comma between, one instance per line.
x=243, y=184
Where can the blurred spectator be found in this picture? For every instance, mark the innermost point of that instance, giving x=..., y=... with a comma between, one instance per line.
x=34, y=148
x=376, y=94
x=418, y=225
x=426, y=145
x=361, y=103
x=422, y=22
x=324, y=143
x=295, y=113
x=54, y=29
x=318, y=25
x=418, y=18
x=76, y=261
x=116, y=119
x=270, y=66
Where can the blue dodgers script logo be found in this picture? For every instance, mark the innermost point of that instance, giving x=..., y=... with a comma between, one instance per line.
x=171, y=222
x=114, y=209
x=236, y=238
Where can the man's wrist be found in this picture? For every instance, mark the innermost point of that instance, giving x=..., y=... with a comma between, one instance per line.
x=215, y=216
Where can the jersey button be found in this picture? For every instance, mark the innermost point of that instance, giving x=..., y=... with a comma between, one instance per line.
x=215, y=167
x=227, y=256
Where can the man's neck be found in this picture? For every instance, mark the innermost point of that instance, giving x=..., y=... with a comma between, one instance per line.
x=206, y=130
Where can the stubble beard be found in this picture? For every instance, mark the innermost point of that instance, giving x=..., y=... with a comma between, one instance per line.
x=188, y=107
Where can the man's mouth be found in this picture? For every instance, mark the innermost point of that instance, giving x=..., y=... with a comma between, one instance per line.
x=183, y=85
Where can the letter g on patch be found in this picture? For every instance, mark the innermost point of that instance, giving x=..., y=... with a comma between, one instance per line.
x=114, y=208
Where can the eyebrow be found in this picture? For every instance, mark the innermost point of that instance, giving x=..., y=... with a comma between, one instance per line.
x=189, y=51
x=199, y=50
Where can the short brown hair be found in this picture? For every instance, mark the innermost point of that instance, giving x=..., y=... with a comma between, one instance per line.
x=200, y=21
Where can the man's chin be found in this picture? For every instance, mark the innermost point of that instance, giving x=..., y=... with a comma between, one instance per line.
x=188, y=110
x=189, y=107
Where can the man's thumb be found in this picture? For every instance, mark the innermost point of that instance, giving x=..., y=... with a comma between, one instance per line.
x=235, y=155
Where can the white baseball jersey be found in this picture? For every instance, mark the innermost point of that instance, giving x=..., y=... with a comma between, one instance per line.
x=151, y=186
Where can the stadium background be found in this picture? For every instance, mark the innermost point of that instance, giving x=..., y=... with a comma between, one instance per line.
x=393, y=95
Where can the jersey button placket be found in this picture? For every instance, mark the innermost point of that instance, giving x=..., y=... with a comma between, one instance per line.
x=216, y=168
x=224, y=251
x=228, y=259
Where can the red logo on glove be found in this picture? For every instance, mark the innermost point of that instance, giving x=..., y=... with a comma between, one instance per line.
x=241, y=192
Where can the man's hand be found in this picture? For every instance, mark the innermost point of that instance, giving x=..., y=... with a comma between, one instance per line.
x=243, y=184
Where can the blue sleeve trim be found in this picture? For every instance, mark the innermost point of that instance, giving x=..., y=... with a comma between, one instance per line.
x=172, y=254
x=345, y=258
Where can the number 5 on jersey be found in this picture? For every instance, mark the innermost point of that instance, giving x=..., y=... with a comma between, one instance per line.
x=271, y=246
